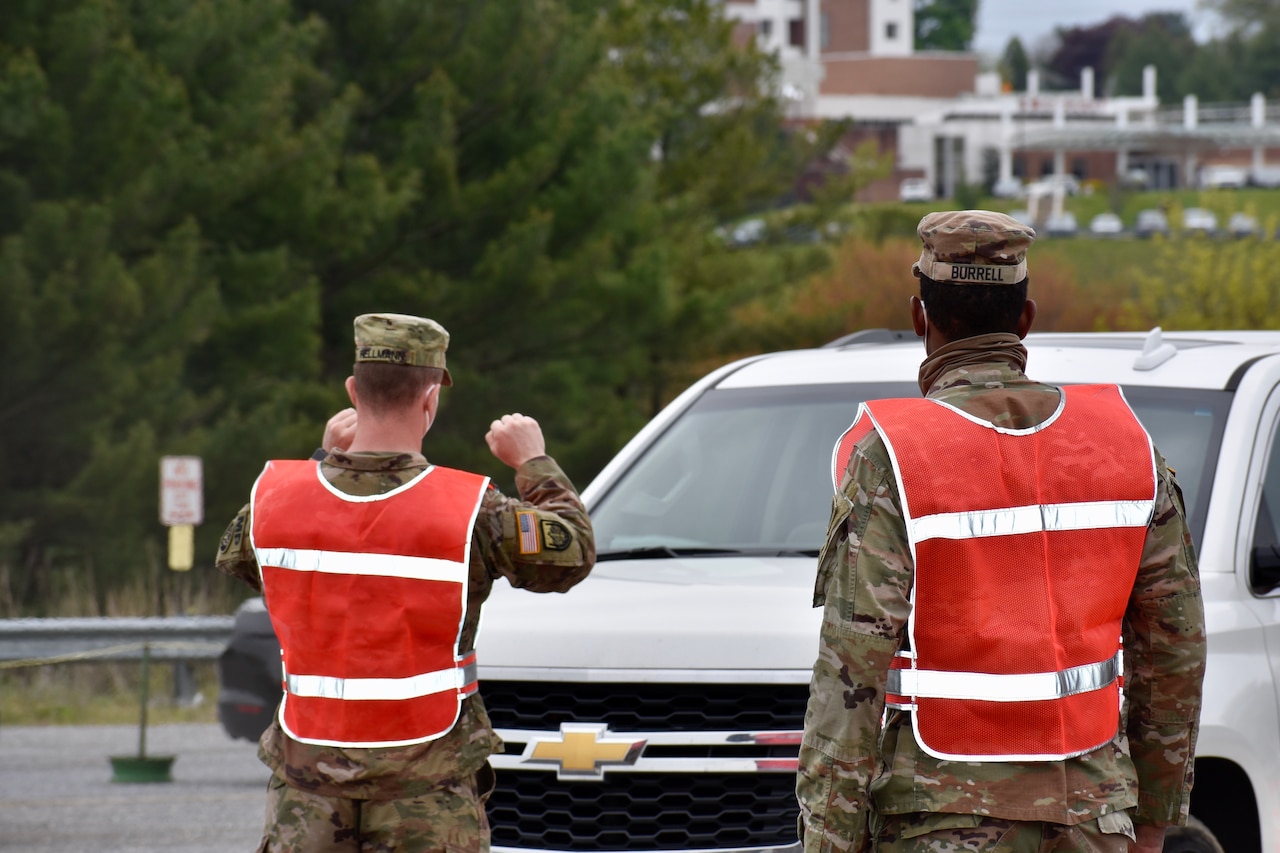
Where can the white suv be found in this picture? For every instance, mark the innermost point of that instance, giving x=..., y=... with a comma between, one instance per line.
x=658, y=705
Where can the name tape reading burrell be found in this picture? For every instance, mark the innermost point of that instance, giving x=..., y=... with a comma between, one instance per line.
x=996, y=274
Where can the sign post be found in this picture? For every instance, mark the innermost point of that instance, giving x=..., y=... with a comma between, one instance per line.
x=181, y=506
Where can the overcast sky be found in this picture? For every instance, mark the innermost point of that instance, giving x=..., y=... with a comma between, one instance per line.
x=1033, y=20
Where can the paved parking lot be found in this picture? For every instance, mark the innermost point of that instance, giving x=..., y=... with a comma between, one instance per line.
x=56, y=793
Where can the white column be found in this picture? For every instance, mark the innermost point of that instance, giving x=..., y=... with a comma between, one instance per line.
x=1258, y=115
x=1149, y=83
x=1190, y=120
x=813, y=28
x=1006, y=141
x=1059, y=155
x=948, y=167
x=1122, y=153
x=1033, y=83
x=1086, y=83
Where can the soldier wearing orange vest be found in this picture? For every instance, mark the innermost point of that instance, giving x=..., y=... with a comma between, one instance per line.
x=374, y=564
x=1002, y=556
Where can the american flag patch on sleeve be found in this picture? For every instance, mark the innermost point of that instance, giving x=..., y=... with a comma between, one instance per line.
x=528, y=524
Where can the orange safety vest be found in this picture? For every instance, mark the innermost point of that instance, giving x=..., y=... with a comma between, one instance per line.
x=1026, y=545
x=367, y=595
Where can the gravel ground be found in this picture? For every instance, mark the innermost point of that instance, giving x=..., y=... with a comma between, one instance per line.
x=57, y=793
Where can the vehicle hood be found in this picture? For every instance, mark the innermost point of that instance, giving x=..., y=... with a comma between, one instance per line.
x=724, y=613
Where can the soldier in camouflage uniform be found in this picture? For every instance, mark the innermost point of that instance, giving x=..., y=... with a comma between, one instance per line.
x=865, y=782
x=426, y=796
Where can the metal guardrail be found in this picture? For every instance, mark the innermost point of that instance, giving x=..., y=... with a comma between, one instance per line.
x=176, y=638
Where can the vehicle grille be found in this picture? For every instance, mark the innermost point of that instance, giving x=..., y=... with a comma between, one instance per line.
x=639, y=810
x=544, y=705
x=633, y=811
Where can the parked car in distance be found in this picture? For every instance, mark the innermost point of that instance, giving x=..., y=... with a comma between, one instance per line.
x=1062, y=224
x=1151, y=222
x=1009, y=188
x=1265, y=176
x=1106, y=225
x=1023, y=215
x=745, y=233
x=1069, y=184
x=1222, y=177
x=915, y=189
x=1242, y=225
x=1135, y=179
x=1199, y=220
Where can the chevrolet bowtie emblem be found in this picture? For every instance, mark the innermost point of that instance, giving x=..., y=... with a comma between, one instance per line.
x=582, y=751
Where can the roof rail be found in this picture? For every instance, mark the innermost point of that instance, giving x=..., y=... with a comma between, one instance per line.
x=871, y=336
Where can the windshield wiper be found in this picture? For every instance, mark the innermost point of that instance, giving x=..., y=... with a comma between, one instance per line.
x=668, y=552
x=664, y=552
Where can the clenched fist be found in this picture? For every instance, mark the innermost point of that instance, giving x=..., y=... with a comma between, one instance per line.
x=339, y=431
x=515, y=439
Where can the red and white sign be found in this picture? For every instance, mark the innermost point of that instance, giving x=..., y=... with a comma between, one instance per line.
x=181, y=490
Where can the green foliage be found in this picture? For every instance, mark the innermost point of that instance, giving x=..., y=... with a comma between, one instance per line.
x=1244, y=13
x=172, y=175
x=945, y=24
x=196, y=198
x=1014, y=65
x=1244, y=60
x=1210, y=284
x=1161, y=40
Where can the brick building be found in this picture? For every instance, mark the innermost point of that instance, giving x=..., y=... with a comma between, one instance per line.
x=952, y=123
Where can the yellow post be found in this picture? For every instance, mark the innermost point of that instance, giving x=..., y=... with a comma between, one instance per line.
x=182, y=547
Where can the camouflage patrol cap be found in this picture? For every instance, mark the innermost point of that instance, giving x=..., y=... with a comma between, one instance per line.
x=401, y=339
x=973, y=247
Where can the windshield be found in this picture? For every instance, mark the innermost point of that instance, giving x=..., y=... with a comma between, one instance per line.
x=749, y=469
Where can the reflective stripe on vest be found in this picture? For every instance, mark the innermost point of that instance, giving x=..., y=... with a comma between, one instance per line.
x=1041, y=518
x=460, y=678
x=368, y=597
x=1021, y=582
x=992, y=687
x=348, y=563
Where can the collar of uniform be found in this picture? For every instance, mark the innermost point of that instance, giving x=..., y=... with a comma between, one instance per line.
x=375, y=460
x=987, y=360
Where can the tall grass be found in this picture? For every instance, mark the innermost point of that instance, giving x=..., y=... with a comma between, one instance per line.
x=67, y=590
x=103, y=694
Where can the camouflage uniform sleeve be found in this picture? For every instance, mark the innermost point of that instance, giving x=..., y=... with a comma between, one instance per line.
x=235, y=556
x=863, y=585
x=1164, y=655
x=542, y=542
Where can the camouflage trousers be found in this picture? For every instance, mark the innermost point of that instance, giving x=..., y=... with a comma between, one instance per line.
x=450, y=819
x=948, y=833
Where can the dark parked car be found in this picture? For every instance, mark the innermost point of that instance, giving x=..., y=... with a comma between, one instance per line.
x=249, y=674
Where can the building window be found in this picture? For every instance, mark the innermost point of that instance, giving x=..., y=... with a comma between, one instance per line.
x=796, y=35
x=891, y=31
x=766, y=27
x=824, y=31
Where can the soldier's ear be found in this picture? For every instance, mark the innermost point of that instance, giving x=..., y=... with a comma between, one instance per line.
x=350, y=385
x=919, y=319
x=1027, y=318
